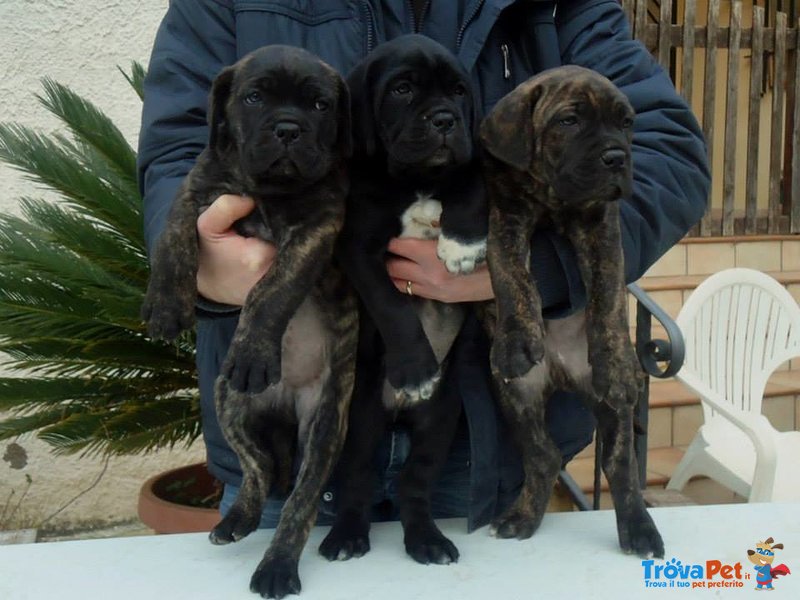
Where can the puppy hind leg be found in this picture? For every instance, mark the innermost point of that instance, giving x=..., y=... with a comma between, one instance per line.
x=433, y=429
x=257, y=468
x=636, y=529
x=523, y=406
x=276, y=575
x=355, y=475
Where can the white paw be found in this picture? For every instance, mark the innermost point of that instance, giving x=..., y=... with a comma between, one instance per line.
x=422, y=219
x=458, y=257
x=413, y=395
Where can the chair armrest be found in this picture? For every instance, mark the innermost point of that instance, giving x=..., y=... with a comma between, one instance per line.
x=650, y=351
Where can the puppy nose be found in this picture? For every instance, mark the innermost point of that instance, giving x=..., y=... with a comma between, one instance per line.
x=443, y=121
x=286, y=131
x=614, y=158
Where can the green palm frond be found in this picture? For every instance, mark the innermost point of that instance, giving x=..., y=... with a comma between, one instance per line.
x=73, y=271
x=135, y=78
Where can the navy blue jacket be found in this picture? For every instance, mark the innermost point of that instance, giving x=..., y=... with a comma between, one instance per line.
x=498, y=46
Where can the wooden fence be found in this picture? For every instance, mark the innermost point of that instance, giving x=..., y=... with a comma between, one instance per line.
x=754, y=193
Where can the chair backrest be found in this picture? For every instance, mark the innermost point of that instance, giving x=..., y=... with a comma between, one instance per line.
x=739, y=325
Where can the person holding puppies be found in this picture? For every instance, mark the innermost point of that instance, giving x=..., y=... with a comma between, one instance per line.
x=500, y=43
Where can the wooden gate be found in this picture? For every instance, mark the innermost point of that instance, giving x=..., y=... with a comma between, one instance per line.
x=747, y=102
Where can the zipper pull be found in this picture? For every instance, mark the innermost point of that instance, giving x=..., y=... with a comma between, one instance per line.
x=506, y=61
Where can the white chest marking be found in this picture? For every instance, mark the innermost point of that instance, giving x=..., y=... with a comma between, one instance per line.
x=421, y=219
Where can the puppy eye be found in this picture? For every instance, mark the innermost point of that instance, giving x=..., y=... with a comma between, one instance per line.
x=568, y=121
x=252, y=98
x=460, y=90
x=401, y=89
x=627, y=123
x=321, y=105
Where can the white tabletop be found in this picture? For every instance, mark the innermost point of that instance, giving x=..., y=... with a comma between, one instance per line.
x=572, y=555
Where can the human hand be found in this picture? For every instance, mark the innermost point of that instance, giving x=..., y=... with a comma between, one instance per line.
x=416, y=261
x=229, y=265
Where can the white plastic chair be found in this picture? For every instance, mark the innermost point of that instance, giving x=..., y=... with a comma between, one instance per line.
x=739, y=325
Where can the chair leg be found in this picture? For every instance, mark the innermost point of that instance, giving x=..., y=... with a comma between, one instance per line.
x=689, y=465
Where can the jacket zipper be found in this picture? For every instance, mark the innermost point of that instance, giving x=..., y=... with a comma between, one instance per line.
x=506, y=62
x=415, y=27
x=370, y=26
x=466, y=23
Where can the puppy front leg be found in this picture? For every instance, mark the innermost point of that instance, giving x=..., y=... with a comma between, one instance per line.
x=519, y=334
x=411, y=365
x=169, y=303
x=253, y=361
x=464, y=221
x=349, y=536
x=616, y=376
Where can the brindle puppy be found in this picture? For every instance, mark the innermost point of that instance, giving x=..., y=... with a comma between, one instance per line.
x=559, y=157
x=280, y=132
x=414, y=175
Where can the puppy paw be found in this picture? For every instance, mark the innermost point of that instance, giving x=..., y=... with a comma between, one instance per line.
x=427, y=545
x=515, y=352
x=618, y=383
x=460, y=257
x=638, y=535
x=275, y=577
x=167, y=315
x=514, y=523
x=251, y=367
x=348, y=538
x=413, y=379
x=234, y=526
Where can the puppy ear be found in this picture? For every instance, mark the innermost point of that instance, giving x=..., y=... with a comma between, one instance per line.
x=361, y=84
x=344, y=122
x=507, y=131
x=219, y=129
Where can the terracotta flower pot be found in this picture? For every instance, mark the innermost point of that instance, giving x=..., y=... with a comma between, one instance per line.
x=165, y=500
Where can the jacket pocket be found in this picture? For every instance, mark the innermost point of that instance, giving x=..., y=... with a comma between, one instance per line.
x=334, y=30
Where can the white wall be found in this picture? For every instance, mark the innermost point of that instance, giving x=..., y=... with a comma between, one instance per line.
x=78, y=43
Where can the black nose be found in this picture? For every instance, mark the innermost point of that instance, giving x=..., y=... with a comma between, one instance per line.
x=614, y=158
x=286, y=131
x=443, y=121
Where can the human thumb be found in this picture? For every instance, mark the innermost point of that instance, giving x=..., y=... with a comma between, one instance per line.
x=223, y=213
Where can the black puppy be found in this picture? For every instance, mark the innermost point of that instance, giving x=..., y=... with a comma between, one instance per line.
x=414, y=176
x=280, y=132
x=559, y=157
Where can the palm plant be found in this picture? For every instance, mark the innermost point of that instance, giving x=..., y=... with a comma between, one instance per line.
x=84, y=375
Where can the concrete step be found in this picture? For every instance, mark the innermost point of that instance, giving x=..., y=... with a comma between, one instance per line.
x=676, y=414
x=660, y=466
x=661, y=463
x=670, y=392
